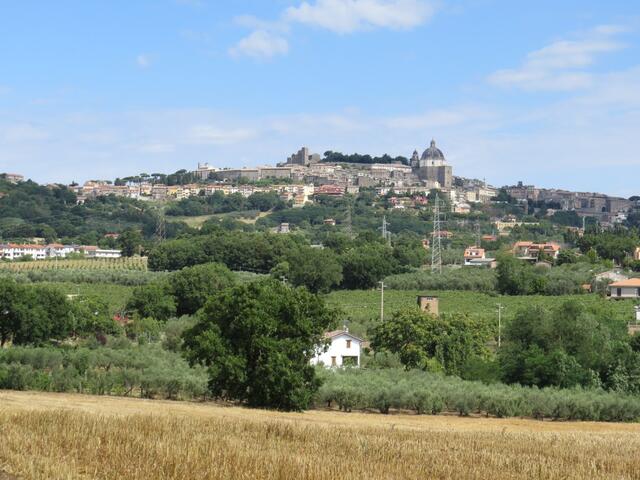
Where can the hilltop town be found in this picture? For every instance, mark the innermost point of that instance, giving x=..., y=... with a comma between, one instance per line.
x=306, y=174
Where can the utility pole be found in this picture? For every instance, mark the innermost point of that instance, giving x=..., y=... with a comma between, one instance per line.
x=436, y=247
x=500, y=308
x=381, y=301
x=478, y=237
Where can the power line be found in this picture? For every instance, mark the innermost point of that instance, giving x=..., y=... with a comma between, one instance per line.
x=161, y=227
x=386, y=234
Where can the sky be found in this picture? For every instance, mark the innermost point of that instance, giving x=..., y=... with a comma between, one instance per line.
x=544, y=92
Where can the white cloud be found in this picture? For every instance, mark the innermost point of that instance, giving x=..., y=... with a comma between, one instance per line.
x=340, y=16
x=260, y=44
x=562, y=65
x=143, y=61
x=346, y=16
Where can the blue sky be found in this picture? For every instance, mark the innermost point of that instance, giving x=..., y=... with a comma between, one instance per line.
x=546, y=92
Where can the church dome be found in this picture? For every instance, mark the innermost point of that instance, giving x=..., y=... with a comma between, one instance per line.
x=432, y=153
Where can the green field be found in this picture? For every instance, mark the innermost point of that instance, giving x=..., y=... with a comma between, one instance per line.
x=362, y=307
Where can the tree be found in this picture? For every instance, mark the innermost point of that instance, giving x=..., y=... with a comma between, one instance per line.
x=426, y=341
x=11, y=297
x=317, y=269
x=153, y=300
x=92, y=316
x=364, y=266
x=515, y=277
x=257, y=340
x=564, y=347
x=131, y=242
x=33, y=315
x=191, y=286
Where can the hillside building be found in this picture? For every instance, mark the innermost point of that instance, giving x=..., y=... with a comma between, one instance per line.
x=625, y=289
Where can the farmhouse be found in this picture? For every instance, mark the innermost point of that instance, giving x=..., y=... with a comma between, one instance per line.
x=343, y=350
x=625, y=289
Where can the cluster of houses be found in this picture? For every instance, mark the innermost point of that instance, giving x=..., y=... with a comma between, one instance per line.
x=14, y=251
x=298, y=193
x=534, y=252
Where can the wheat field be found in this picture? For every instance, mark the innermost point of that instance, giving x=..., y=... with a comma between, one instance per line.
x=61, y=436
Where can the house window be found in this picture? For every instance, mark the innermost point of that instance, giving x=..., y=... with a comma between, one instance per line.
x=349, y=341
x=333, y=361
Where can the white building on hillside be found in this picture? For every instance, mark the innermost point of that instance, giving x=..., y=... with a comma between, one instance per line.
x=343, y=350
x=625, y=288
x=58, y=250
x=14, y=251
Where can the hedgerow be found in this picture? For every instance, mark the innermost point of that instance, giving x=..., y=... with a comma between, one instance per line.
x=146, y=371
x=427, y=393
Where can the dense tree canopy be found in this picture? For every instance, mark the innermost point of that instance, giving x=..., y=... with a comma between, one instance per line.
x=191, y=286
x=364, y=266
x=432, y=342
x=568, y=346
x=153, y=300
x=33, y=314
x=256, y=341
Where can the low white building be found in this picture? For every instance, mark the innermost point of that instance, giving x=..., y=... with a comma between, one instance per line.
x=625, y=288
x=12, y=251
x=57, y=250
x=343, y=350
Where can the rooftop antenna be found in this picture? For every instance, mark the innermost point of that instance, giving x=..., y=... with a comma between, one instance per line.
x=436, y=247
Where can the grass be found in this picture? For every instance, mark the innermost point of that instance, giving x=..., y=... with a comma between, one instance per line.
x=193, y=222
x=47, y=435
x=363, y=306
x=249, y=217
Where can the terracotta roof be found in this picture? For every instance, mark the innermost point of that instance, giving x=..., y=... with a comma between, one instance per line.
x=337, y=333
x=25, y=247
x=632, y=282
